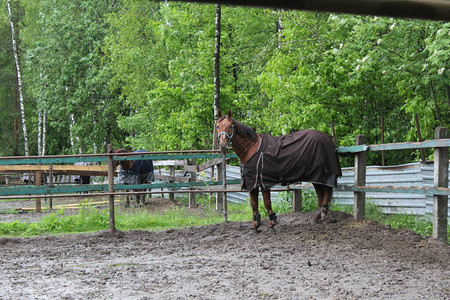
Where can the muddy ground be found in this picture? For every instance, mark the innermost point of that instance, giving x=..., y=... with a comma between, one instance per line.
x=337, y=259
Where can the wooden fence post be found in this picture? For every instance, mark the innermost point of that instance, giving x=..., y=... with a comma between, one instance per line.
x=219, y=196
x=440, y=202
x=38, y=182
x=112, y=225
x=296, y=200
x=224, y=184
x=192, y=179
x=50, y=185
x=359, y=198
x=171, y=173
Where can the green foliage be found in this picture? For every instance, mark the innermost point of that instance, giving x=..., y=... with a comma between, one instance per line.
x=140, y=73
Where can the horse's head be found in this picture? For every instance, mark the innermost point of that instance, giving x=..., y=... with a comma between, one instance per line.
x=125, y=164
x=225, y=130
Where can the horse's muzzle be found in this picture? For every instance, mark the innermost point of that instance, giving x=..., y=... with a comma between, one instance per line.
x=223, y=149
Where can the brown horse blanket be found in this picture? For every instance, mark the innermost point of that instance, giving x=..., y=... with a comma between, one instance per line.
x=305, y=155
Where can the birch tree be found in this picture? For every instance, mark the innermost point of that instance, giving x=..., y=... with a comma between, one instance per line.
x=216, y=73
x=19, y=79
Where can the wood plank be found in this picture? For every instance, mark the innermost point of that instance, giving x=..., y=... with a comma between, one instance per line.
x=395, y=189
x=93, y=170
x=173, y=156
x=172, y=178
x=395, y=146
x=179, y=162
x=209, y=164
x=422, y=9
x=70, y=159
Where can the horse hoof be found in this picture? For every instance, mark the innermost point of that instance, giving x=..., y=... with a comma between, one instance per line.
x=316, y=219
x=254, y=231
x=271, y=230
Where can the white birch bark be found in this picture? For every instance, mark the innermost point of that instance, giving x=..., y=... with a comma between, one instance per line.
x=94, y=145
x=216, y=73
x=72, y=143
x=39, y=141
x=44, y=130
x=77, y=138
x=19, y=80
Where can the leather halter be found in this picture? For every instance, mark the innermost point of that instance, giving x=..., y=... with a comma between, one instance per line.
x=230, y=137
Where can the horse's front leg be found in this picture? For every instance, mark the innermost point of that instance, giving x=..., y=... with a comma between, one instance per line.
x=268, y=205
x=254, y=203
x=140, y=199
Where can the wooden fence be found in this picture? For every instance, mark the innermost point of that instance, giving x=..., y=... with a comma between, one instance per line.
x=64, y=165
x=440, y=191
x=49, y=165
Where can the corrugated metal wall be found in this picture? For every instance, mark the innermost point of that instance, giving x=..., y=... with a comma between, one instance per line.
x=415, y=174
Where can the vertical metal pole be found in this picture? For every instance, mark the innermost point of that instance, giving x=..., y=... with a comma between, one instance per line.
x=219, y=196
x=359, y=198
x=440, y=202
x=162, y=189
x=193, y=179
x=172, y=173
x=112, y=223
x=224, y=181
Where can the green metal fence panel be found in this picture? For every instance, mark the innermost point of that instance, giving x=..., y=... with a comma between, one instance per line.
x=69, y=189
x=172, y=156
x=395, y=146
x=51, y=160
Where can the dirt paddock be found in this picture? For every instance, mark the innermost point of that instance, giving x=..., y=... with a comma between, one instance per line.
x=337, y=259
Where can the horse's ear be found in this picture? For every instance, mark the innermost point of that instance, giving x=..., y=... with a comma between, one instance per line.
x=220, y=113
x=229, y=113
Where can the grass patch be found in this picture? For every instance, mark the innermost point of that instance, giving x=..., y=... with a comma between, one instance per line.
x=90, y=219
x=419, y=224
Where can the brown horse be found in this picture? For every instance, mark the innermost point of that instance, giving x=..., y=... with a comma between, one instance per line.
x=305, y=155
x=135, y=172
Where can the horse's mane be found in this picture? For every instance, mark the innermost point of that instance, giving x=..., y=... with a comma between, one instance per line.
x=241, y=129
x=121, y=150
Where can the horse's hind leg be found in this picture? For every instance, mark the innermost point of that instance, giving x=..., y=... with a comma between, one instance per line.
x=268, y=205
x=254, y=203
x=324, y=194
x=127, y=201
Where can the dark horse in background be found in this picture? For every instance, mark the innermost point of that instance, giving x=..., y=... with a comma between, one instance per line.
x=305, y=155
x=136, y=172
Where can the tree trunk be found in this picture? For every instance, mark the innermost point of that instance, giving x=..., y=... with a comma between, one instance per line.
x=19, y=79
x=44, y=131
x=77, y=138
x=39, y=142
x=216, y=74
